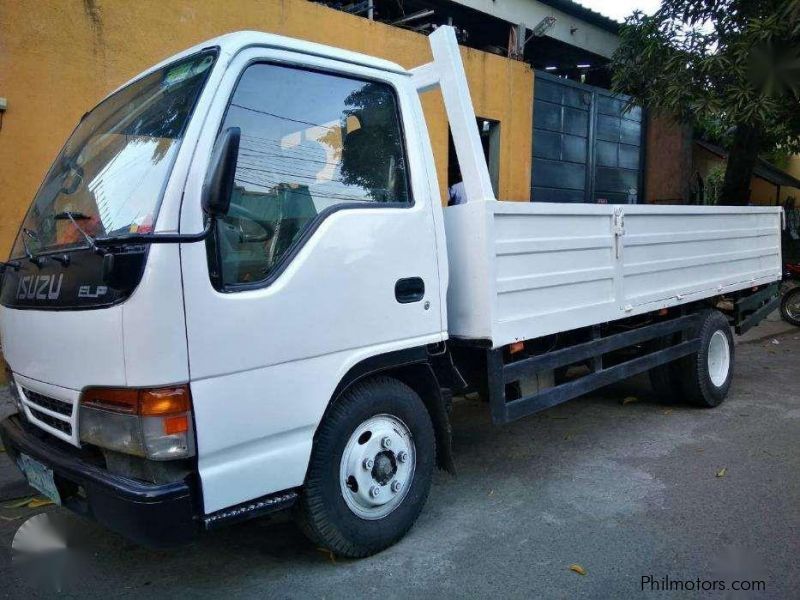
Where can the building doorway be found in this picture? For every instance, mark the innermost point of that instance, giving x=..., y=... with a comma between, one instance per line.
x=489, y=131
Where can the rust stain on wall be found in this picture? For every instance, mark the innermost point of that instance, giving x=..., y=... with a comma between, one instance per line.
x=93, y=12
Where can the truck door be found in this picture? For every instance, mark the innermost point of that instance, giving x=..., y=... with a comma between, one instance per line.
x=327, y=256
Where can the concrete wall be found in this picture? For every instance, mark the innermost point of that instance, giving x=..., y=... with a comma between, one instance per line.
x=60, y=57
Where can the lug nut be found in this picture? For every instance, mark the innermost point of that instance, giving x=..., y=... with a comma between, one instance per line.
x=375, y=491
x=396, y=485
x=386, y=442
x=368, y=463
x=402, y=456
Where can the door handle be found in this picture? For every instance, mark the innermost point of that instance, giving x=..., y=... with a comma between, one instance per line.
x=410, y=289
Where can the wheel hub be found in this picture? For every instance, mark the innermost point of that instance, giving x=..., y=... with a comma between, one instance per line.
x=719, y=358
x=377, y=466
x=385, y=467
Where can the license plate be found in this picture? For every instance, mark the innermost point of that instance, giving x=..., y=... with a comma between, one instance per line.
x=39, y=477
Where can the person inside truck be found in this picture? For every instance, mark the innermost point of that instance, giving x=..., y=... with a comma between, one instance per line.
x=456, y=193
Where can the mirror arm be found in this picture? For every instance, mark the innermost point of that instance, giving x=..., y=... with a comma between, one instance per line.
x=157, y=238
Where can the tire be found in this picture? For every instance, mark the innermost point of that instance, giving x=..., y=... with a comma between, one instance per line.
x=666, y=383
x=706, y=375
x=335, y=506
x=666, y=379
x=790, y=307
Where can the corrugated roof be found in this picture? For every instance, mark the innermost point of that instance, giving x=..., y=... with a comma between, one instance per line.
x=763, y=169
x=586, y=14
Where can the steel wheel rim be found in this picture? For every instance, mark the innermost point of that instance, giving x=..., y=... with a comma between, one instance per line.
x=377, y=467
x=719, y=358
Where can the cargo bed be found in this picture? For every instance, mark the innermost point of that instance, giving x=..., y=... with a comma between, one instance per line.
x=524, y=270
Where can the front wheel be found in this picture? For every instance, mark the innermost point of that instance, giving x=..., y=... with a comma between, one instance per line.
x=370, y=469
x=790, y=306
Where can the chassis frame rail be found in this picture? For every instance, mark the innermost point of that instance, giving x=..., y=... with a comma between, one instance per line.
x=500, y=373
x=750, y=310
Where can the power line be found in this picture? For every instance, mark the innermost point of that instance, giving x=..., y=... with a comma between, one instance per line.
x=269, y=114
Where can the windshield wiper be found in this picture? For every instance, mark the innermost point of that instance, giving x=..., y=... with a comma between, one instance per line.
x=36, y=260
x=11, y=264
x=72, y=217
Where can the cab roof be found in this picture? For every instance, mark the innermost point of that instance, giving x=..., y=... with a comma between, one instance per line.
x=232, y=43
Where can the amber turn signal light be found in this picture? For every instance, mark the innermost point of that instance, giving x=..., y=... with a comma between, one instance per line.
x=133, y=401
x=177, y=424
x=164, y=401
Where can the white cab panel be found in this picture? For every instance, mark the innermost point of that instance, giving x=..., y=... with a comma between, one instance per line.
x=264, y=362
x=520, y=270
x=154, y=325
x=68, y=348
x=256, y=428
x=140, y=342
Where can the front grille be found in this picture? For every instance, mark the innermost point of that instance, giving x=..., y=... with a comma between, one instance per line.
x=53, y=422
x=59, y=406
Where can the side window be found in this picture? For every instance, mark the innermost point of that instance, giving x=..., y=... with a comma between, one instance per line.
x=310, y=141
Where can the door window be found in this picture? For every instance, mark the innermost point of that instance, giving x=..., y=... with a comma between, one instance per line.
x=311, y=143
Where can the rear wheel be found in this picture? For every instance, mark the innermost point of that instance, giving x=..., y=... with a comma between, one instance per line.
x=706, y=375
x=790, y=306
x=370, y=469
x=666, y=379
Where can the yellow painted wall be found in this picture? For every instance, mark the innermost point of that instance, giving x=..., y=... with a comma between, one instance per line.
x=60, y=57
x=793, y=168
x=762, y=192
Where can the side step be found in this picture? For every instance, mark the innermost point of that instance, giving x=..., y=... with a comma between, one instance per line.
x=251, y=509
x=500, y=373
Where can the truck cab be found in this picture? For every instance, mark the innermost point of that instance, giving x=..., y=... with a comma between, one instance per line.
x=207, y=364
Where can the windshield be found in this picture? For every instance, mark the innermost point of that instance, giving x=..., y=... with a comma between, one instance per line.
x=110, y=176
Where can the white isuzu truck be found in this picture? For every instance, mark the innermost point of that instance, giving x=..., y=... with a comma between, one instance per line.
x=237, y=292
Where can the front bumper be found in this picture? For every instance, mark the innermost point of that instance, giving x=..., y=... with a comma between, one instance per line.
x=155, y=515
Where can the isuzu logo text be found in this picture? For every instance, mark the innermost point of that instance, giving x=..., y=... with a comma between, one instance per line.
x=39, y=287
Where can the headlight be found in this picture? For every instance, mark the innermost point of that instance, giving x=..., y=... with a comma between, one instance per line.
x=111, y=430
x=151, y=423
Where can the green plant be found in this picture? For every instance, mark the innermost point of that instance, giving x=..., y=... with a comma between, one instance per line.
x=714, y=183
x=728, y=67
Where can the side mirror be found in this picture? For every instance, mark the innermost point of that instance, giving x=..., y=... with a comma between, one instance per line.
x=218, y=186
